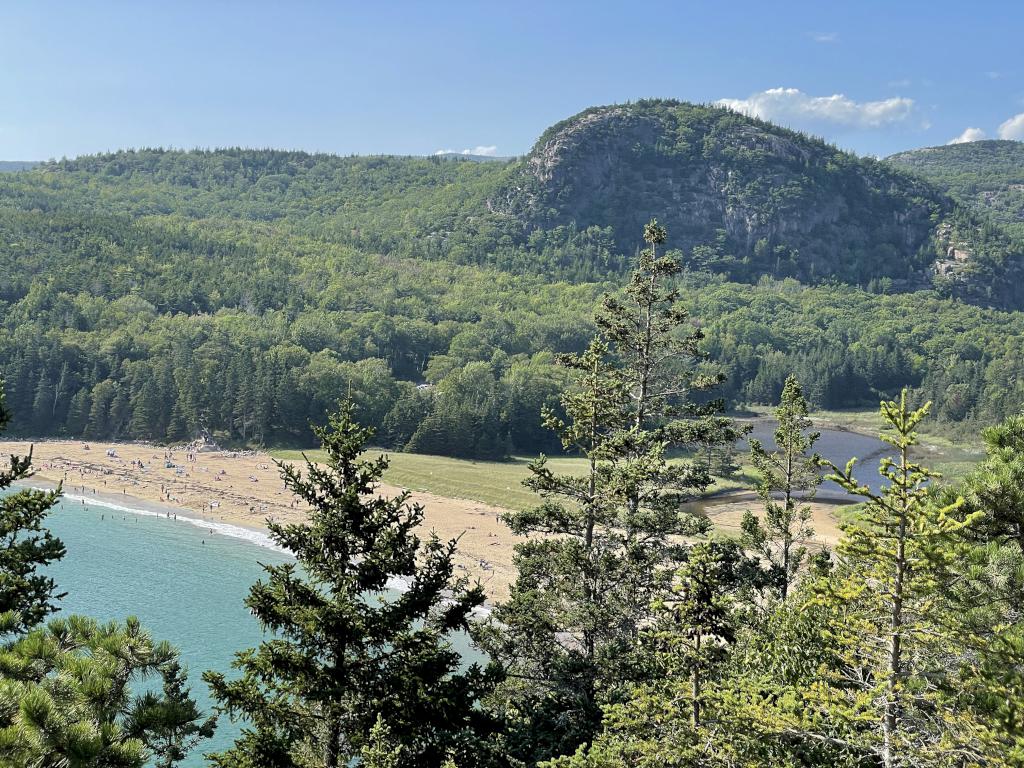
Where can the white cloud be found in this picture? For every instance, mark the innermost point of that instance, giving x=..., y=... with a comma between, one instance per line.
x=1013, y=128
x=825, y=37
x=792, y=105
x=903, y=83
x=969, y=134
x=487, y=151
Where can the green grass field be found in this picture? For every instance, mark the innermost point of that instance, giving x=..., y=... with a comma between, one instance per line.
x=499, y=483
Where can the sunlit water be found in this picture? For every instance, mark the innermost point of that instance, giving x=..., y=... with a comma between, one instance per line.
x=187, y=581
x=186, y=584
x=838, y=446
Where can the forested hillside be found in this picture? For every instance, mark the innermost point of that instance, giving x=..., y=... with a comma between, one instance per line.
x=746, y=198
x=155, y=294
x=987, y=175
x=16, y=165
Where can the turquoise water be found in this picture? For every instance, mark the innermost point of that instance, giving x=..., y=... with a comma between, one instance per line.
x=183, y=581
x=185, y=584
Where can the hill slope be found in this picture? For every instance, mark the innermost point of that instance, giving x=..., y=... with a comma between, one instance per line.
x=988, y=175
x=154, y=294
x=748, y=198
x=740, y=197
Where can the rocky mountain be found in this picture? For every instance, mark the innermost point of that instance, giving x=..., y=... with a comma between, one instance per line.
x=987, y=175
x=740, y=197
x=744, y=197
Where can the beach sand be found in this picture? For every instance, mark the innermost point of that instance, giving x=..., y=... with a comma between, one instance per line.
x=245, y=489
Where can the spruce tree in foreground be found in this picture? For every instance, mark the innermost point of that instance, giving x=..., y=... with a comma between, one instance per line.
x=786, y=471
x=898, y=558
x=344, y=650
x=559, y=636
x=659, y=356
x=26, y=596
x=604, y=545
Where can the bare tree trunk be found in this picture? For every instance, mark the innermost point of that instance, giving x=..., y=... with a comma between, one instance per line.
x=891, y=707
x=332, y=750
x=695, y=683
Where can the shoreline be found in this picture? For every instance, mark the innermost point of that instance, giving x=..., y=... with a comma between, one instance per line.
x=237, y=492
x=255, y=536
x=140, y=506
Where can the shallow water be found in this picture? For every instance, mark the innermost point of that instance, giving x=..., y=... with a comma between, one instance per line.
x=838, y=446
x=185, y=583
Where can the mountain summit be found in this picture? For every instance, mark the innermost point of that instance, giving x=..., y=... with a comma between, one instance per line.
x=746, y=198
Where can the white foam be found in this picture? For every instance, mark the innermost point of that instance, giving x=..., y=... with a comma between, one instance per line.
x=259, y=538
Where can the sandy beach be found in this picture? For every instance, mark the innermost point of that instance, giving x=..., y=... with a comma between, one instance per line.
x=244, y=489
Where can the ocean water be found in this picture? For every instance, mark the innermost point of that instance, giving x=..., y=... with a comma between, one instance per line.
x=185, y=580
x=185, y=583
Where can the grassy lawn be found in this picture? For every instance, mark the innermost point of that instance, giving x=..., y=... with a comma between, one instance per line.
x=492, y=482
x=499, y=483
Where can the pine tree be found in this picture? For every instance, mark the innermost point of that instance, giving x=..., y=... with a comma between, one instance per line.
x=343, y=649
x=169, y=724
x=380, y=751
x=787, y=470
x=603, y=546
x=700, y=623
x=78, y=413
x=897, y=558
x=68, y=698
x=26, y=595
x=666, y=374
x=42, y=404
x=560, y=636
x=146, y=412
x=996, y=487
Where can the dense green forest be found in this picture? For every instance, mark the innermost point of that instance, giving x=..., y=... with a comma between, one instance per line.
x=988, y=175
x=633, y=636
x=156, y=294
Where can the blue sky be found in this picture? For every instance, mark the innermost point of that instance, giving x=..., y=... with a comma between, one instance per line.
x=416, y=77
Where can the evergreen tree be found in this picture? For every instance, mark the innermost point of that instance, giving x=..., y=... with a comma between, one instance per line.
x=67, y=698
x=380, y=751
x=560, y=636
x=786, y=471
x=78, y=413
x=680, y=715
x=42, y=404
x=997, y=486
x=146, y=412
x=169, y=724
x=897, y=558
x=343, y=649
x=604, y=549
x=666, y=374
x=26, y=595
x=700, y=623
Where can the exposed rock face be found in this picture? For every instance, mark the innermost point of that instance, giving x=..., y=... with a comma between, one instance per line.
x=759, y=198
